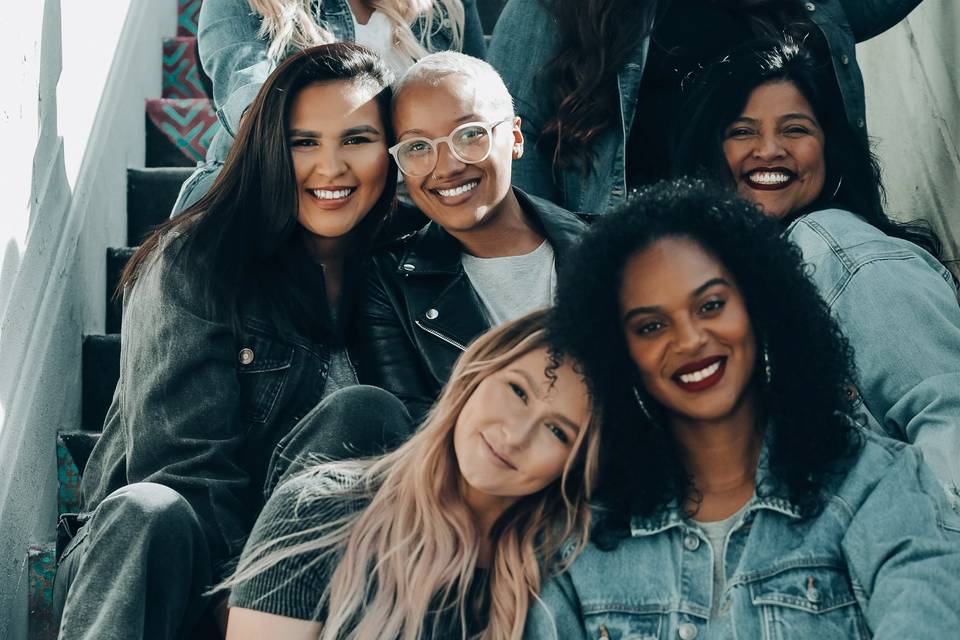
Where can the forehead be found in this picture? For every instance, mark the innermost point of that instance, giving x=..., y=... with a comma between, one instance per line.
x=564, y=389
x=334, y=104
x=669, y=269
x=777, y=97
x=423, y=103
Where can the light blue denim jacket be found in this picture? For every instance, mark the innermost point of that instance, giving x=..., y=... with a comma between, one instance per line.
x=881, y=560
x=525, y=40
x=236, y=61
x=898, y=308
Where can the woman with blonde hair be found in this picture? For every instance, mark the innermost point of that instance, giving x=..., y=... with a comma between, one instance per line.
x=241, y=41
x=450, y=535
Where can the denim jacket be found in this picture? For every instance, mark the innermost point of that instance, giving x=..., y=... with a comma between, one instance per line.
x=525, y=40
x=898, y=308
x=199, y=408
x=881, y=560
x=237, y=63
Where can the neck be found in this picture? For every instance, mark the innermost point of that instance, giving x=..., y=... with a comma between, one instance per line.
x=508, y=231
x=486, y=510
x=331, y=255
x=721, y=457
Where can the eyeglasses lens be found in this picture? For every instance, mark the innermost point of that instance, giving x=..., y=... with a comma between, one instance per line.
x=469, y=144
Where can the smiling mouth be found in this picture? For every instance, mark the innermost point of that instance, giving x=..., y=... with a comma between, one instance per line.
x=770, y=179
x=503, y=461
x=701, y=374
x=332, y=194
x=459, y=190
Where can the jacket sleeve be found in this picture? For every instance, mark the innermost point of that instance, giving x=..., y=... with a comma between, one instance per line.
x=903, y=552
x=473, y=43
x=233, y=56
x=179, y=403
x=869, y=18
x=386, y=354
x=555, y=614
x=903, y=322
x=523, y=43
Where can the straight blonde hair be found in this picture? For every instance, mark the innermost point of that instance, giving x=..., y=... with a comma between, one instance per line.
x=416, y=544
x=291, y=24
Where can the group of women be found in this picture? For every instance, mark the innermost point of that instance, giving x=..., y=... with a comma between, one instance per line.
x=721, y=427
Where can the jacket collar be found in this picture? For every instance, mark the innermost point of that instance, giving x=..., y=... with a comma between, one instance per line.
x=433, y=251
x=765, y=498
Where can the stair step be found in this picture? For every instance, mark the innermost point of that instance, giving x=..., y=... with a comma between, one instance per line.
x=182, y=76
x=188, y=11
x=117, y=258
x=73, y=451
x=101, y=370
x=151, y=193
x=41, y=567
x=184, y=125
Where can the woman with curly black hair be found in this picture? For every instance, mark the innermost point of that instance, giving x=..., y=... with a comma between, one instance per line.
x=738, y=496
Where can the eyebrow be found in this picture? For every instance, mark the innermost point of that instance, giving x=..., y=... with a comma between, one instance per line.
x=538, y=391
x=786, y=116
x=467, y=118
x=693, y=294
x=346, y=133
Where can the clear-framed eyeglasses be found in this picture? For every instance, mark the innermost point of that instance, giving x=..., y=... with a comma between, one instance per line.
x=469, y=143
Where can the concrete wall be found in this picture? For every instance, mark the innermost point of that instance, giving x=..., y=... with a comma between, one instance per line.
x=912, y=76
x=75, y=77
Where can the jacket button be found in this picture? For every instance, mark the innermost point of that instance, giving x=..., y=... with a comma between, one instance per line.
x=432, y=314
x=408, y=267
x=810, y=6
x=691, y=542
x=246, y=355
x=845, y=59
x=687, y=631
x=860, y=123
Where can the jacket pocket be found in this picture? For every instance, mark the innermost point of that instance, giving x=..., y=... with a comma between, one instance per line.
x=622, y=625
x=263, y=365
x=808, y=602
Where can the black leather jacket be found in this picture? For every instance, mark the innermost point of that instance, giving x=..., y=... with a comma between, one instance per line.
x=419, y=309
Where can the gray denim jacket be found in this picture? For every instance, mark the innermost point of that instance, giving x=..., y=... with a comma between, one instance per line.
x=882, y=560
x=898, y=308
x=198, y=408
x=525, y=40
x=237, y=63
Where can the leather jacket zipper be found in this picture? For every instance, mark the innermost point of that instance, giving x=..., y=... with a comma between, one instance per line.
x=437, y=334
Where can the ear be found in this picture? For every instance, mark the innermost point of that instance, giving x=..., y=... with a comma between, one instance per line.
x=517, y=139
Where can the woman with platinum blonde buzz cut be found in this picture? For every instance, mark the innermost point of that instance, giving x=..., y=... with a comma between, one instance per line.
x=450, y=535
x=489, y=252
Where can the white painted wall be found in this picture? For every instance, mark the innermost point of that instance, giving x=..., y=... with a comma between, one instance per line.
x=912, y=77
x=74, y=78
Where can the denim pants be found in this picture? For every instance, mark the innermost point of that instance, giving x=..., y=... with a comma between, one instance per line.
x=139, y=566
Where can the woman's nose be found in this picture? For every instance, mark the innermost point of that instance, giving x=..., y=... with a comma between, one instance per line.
x=447, y=163
x=329, y=162
x=768, y=147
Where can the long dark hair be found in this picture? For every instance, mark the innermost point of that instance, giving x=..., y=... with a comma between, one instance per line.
x=811, y=424
x=719, y=95
x=243, y=237
x=596, y=39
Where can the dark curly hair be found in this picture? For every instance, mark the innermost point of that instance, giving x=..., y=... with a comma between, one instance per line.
x=719, y=94
x=807, y=404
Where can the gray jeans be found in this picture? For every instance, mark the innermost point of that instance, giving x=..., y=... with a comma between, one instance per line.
x=139, y=566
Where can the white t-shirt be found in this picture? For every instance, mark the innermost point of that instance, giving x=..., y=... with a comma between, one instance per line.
x=512, y=286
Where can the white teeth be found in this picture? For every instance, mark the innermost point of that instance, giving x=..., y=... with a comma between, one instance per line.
x=697, y=376
x=769, y=177
x=327, y=194
x=469, y=186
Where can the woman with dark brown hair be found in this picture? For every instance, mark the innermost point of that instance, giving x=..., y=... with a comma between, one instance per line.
x=598, y=82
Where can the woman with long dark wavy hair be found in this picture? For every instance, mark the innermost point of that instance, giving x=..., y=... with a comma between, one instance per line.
x=738, y=495
x=233, y=356
x=598, y=82
x=768, y=121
